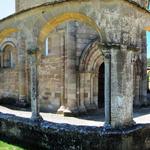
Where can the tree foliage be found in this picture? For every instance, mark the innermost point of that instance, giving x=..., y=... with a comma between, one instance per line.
x=148, y=62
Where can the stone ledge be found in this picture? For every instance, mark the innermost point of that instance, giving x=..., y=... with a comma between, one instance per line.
x=47, y=135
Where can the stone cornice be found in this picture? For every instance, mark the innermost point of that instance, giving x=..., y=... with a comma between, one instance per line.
x=138, y=5
x=38, y=6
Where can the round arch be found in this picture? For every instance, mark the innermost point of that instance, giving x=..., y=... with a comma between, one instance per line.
x=8, y=57
x=90, y=61
x=68, y=16
x=91, y=57
x=7, y=32
x=7, y=43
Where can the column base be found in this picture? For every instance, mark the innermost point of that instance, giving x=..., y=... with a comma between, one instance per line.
x=22, y=102
x=70, y=113
x=131, y=123
x=127, y=124
x=107, y=126
x=61, y=110
x=36, y=117
x=91, y=107
x=82, y=110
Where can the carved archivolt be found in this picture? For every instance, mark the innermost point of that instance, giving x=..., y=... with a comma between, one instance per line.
x=91, y=58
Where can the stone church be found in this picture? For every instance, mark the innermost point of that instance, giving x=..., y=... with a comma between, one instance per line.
x=76, y=56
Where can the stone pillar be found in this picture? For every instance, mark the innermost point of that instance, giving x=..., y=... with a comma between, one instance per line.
x=82, y=108
x=1, y=60
x=71, y=72
x=93, y=105
x=21, y=72
x=87, y=91
x=121, y=87
x=143, y=83
x=95, y=92
x=34, y=84
x=22, y=94
x=107, y=62
x=62, y=66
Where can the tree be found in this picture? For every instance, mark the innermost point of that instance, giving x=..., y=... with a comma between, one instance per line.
x=148, y=62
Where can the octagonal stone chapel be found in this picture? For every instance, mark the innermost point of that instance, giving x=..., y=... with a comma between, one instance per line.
x=76, y=56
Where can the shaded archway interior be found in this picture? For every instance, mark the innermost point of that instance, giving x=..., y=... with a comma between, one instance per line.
x=101, y=79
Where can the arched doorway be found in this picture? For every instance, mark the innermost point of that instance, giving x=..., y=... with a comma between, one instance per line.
x=101, y=78
x=92, y=72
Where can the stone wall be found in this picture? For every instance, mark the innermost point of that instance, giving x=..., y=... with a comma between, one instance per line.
x=21, y=4
x=50, y=74
x=9, y=86
x=46, y=135
x=51, y=70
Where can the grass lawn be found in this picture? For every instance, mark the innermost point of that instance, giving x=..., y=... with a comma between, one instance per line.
x=5, y=146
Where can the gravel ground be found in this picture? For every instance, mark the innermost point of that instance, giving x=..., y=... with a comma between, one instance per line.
x=97, y=119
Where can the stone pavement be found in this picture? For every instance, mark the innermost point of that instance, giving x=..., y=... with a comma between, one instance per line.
x=96, y=119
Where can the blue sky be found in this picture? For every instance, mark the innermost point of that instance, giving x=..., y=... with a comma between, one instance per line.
x=148, y=44
x=7, y=7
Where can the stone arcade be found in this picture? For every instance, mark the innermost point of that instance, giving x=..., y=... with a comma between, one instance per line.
x=72, y=57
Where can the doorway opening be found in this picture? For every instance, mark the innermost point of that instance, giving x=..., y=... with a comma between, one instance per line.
x=101, y=86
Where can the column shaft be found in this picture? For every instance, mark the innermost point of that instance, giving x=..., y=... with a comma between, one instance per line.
x=34, y=87
x=21, y=70
x=82, y=108
x=22, y=92
x=70, y=74
x=107, y=90
x=62, y=66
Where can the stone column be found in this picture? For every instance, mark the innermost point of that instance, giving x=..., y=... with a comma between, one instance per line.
x=22, y=95
x=21, y=71
x=1, y=60
x=107, y=61
x=70, y=73
x=62, y=66
x=93, y=105
x=87, y=91
x=143, y=81
x=95, y=92
x=121, y=87
x=34, y=84
x=82, y=108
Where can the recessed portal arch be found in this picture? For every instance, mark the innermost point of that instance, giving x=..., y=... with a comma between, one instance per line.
x=92, y=77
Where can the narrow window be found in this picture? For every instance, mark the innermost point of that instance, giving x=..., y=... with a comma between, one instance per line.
x=46, y=47
x=7, y=60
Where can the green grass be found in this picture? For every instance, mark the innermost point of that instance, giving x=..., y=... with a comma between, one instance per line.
x=5, y=146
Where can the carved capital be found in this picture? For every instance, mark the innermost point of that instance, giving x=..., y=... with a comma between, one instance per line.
x=32, y=51
x=107, y=56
